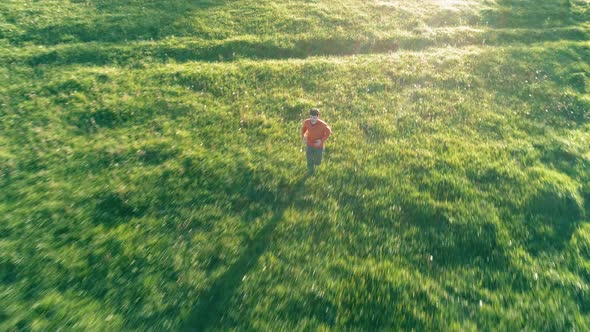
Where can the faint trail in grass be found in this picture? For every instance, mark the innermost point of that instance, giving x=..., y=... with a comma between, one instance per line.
x=212, y=304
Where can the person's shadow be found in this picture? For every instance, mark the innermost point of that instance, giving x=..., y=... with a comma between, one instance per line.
x=210, y=307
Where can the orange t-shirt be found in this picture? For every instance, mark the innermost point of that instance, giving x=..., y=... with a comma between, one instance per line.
x=319, y=131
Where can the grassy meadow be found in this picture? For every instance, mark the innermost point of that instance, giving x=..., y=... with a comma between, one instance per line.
x=152, y=176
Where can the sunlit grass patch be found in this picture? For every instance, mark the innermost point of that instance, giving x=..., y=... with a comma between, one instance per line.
x=153, y=176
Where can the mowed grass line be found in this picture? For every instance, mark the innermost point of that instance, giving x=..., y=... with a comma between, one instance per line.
x=454, y=193
x=141, y=54
x=224, y=31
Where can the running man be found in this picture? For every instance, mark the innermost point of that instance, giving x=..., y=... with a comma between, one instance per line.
x=314, y=132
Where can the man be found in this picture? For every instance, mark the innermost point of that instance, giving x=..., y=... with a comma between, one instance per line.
x=314, y=132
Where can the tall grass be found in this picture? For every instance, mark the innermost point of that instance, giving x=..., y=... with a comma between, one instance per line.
x=152, y=177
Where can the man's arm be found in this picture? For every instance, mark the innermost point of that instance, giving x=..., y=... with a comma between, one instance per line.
x=303, y=131
x=327, y=132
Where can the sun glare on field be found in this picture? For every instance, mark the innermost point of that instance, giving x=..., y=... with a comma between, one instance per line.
x=450, y=3
x=446, y=4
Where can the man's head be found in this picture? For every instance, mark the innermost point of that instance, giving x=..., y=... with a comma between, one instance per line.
x=314, y=114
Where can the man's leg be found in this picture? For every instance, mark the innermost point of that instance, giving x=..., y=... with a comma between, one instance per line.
x=310, y=160
x=318, y=157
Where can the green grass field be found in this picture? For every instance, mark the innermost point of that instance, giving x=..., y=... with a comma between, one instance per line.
x=151, y=176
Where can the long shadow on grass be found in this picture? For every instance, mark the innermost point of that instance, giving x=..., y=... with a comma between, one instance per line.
x=211, y=306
